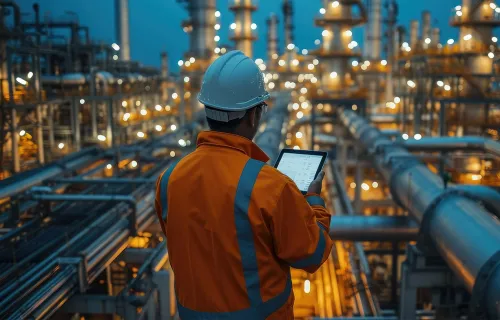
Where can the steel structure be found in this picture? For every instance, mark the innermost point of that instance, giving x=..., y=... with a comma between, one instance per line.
x=410, y=124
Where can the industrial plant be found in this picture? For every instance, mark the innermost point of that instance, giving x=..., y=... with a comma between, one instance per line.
x=410, y=121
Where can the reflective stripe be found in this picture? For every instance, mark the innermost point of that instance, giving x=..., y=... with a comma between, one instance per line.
x=258, y=309
x=253, y=313
x=164, y=189
x=315, y=258
x=244, y=230
x=315, y=201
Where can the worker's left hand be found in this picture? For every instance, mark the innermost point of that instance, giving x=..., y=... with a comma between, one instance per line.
x=315, y=186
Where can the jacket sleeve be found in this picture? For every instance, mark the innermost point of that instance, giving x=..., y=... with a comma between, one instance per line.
x=301, y=229
x=158, y=204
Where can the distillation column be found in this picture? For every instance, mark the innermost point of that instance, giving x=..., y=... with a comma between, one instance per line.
x=123, y=28
x=373, y=36
x=201, y=27
x=426, y=28
x=272, y=41
x=373, y=32
x=164, y=75
x=337, y=47
x=392, y=13
x=476, y=25
x=243, y=35
x=414, y=25
x=203, y=20
x=435, y=37
x=288, y=12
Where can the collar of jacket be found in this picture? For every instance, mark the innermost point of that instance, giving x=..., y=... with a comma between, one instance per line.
x=233, y=141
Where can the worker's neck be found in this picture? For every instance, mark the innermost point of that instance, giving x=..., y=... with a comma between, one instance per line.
x=239, y=132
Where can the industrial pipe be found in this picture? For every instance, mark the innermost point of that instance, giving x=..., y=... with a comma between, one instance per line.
x=373, y=228
x=451, y=144
x=70, y=79
x=488, y=196
x=17, y=11
x=26, y=180
x=465, y=234
x=269, y=140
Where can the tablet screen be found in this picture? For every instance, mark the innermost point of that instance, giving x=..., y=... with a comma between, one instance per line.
x=301, y=168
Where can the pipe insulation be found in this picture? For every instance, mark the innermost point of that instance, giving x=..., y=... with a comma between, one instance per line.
x=465, y=234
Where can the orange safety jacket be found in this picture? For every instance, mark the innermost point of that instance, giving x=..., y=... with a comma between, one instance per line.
x=234, y=226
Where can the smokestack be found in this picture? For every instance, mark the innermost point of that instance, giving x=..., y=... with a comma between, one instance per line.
x=272, y=40
x=243, y=34
x=426, y=25
x=413, y=34
x=164, y=65
x=435, y=37
x=122, y=28
x=288, y=23
x=164, y=75
x=203, y=20
x=373, y=34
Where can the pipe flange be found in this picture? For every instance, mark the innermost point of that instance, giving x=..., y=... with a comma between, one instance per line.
x=380, y=146
x=424, y=243
x=366, y=130
x=477, y=307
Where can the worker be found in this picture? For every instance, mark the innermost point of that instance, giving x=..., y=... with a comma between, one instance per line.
x=235, y=225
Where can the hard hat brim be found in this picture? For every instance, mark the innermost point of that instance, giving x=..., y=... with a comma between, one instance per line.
x=238, y=106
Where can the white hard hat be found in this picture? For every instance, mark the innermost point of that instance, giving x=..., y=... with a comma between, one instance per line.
x=232, y=84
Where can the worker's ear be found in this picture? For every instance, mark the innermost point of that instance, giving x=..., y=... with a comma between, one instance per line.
x=254, y=117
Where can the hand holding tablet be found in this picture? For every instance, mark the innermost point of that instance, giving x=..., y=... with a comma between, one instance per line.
x=302, y=166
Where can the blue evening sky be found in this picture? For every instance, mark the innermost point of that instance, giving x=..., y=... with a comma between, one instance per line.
x=155, y=24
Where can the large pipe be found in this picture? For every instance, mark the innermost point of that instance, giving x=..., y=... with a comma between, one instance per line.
x=272, y=41
x=489, y=197
x=26, y=180
x=451, y=144
x=465, y=234
x=66, y=79
x=122, y=28
x=373, y=228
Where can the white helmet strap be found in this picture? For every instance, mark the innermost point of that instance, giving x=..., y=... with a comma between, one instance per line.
x=224, y=116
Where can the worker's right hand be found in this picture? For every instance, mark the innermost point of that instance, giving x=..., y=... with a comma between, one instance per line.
x=315, y=186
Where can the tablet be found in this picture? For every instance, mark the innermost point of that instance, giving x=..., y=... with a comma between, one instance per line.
x=302, y=166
